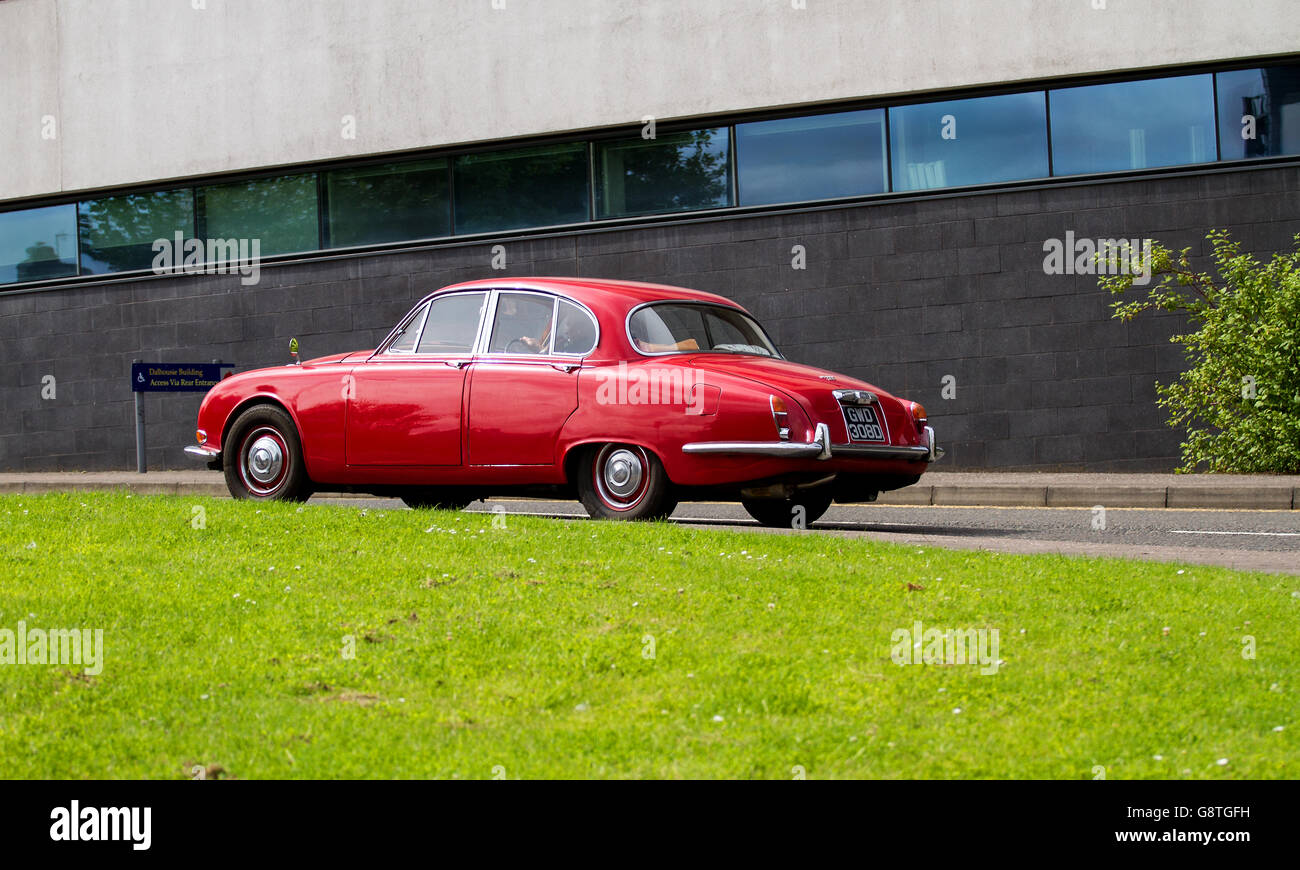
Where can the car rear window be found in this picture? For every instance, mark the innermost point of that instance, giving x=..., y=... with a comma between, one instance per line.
x=670, y=327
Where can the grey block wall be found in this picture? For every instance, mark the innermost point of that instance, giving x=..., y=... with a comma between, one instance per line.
x=899, y=293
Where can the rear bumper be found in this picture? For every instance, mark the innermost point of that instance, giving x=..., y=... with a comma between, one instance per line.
x=822, y=448
x=211, y=454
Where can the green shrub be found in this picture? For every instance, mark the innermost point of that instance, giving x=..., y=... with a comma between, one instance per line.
x=1240, y=396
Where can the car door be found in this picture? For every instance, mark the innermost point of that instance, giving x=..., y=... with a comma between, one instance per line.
x=404, y=404
x=524, y=386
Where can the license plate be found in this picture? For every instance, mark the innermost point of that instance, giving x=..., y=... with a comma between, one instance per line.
x=862, y=423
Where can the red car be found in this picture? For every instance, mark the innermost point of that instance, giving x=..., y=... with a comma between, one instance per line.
x=629, y=396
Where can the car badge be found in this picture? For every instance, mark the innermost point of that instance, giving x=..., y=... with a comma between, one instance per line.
x=828, y=377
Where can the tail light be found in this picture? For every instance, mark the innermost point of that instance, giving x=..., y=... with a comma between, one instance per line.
x=919, y=417
x=781, y=417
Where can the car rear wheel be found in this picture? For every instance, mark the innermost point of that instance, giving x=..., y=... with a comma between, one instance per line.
x=266, y=461
x=624, y=482
x=441, y=498
x=801, y=511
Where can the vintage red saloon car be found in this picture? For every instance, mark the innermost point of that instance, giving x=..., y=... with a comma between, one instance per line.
x=629, y=396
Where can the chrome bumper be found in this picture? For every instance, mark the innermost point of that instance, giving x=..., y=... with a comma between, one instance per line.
x=203, y=452
x=822, y=448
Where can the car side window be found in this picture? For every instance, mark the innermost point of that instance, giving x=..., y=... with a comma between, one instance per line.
x=575, y=331
x=522, y=324
x=405, y=340
x=451, y=325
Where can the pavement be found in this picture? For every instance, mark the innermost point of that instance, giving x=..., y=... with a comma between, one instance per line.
x=982, y=489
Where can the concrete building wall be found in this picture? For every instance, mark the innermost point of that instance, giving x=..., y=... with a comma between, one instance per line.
x=900, y=293
x=160, y=90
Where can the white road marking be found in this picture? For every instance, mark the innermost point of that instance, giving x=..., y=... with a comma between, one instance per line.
x=1211, y=532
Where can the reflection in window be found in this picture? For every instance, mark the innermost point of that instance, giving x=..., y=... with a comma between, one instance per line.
x=575, y=331
x=451, y=325
x=673, y=172
x=1271, y=99
x=532, y=187
x=281, y=212
x=392, y=202
x=821, y=157
x=1132, y=125
x=977, y=141
x=522, y=324
x=38, y=243
x=404, y=341
x=118, y=232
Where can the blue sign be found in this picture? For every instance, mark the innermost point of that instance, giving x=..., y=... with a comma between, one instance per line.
x=176, y=377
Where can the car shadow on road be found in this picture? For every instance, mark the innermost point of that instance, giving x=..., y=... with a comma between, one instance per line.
x=880, y=528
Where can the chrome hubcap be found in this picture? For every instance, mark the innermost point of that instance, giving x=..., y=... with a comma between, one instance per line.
x=265, y=459
x=623, y=473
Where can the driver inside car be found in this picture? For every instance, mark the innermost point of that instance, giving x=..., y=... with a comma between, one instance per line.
x=527, y=320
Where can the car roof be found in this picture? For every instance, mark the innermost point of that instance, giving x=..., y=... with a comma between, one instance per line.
x=596, y=290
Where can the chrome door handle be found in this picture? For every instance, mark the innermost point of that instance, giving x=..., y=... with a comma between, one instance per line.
x=566, y=367
x=456, y=363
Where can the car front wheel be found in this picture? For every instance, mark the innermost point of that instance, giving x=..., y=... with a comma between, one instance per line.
x=624, y=482
x=265, y=462
x=798, y=512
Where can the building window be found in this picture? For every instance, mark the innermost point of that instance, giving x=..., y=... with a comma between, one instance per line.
x=672, y=172
x=280, y=212
x=530, y=187
x=1259, y=112
x=118, y=232
x=818, y=157
x=38, y=243
x=983, y=140
x=391, y=202
x=1088, y=129
x=1133, y=125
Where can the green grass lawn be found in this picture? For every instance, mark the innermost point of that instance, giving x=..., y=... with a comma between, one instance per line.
x=523, y=651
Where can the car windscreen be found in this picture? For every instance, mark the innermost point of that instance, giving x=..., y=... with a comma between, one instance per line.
x=671, y=327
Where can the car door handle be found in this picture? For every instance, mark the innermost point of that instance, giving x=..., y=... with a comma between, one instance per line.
x=566, y=367
x=456, y=363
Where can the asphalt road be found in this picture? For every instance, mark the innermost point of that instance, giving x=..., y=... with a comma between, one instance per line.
x=1247, y=540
